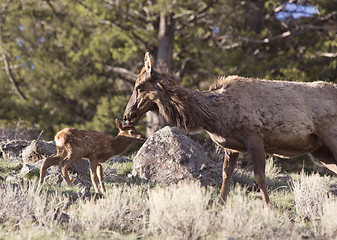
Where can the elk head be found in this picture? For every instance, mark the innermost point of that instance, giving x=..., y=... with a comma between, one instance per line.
x=144, y=94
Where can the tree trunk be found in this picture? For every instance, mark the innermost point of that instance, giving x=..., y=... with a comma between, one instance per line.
x=163, y=63
x=5, y=60
x=255, y=10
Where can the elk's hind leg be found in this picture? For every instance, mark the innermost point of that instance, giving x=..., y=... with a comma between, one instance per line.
x=229, y=163
x=327, y=153
x=100, y=177
x=48, y=162
x=255, y=148
x=64, y=166
x=93, y=173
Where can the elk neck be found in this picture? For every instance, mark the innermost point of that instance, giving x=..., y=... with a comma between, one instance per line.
x=120, y=144
x=187, y=109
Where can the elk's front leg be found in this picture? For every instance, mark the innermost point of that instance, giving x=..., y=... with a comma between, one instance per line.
x=228, y=166
x=255, y=148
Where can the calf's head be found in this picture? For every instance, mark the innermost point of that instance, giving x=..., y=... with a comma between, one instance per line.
x=129, y=132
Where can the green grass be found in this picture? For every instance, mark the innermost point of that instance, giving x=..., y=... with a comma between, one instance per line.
x=123, y=168
x=9, y=167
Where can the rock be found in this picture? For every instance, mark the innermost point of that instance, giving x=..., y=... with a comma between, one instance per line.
x=37, y=150
x=81, y=167
x=80, y=182
x=170, y=156
x=51, y=170
x=12, y=148
x=29, y=171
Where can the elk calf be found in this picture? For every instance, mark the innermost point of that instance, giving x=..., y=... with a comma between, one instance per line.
x=73, y=144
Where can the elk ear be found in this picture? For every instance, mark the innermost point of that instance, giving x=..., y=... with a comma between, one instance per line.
x=119, y=125
x=147, y=63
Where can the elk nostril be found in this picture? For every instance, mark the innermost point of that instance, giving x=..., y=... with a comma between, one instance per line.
x=124, y=118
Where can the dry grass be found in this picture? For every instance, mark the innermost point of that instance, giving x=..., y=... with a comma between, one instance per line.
x=272, y=170
x=245, y=218
x=329, y=219
x=310, y=193
x=26, y=204
x=121, y=210
x=181, y=211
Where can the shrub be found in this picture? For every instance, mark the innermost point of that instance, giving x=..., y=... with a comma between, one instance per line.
x=272, y=170
x=26, y=204
x=181, y=211
x=329, y=220
x=122, y=209
x=310, y=193
x=245, y=218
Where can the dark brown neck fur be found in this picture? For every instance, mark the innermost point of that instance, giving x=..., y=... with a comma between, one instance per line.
x=184, y=108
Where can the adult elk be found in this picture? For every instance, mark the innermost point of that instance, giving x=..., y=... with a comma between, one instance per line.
x=246, y=115
x=73, y=144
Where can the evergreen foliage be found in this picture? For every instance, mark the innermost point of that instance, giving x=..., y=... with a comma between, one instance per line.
x=75, y=61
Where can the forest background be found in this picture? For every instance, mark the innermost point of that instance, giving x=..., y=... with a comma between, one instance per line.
x=74, y=63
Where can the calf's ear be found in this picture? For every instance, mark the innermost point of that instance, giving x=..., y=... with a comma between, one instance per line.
x=119, y=125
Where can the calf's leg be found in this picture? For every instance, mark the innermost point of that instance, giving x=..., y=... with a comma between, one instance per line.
x=64, y=166
x=48, y=162
x=93, y=173
x=100, y=177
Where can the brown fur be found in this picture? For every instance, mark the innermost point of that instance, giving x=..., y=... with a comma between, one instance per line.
x=247, y=115
x=73, y=144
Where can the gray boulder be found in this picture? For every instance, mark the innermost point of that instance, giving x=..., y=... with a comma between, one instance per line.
x=170, y=156
x=12, y=149
x=37, y=150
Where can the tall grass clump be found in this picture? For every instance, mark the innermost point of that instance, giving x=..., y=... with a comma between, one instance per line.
x=246, y=218
x=310, y=193
x=272, y=170
x=329, y=219
x=181, y=212
x=26, y=204
x=122, y=209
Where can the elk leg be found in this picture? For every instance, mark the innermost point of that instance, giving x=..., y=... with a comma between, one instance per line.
x=100, y=177
x=64, y=165
x=255, y=148
x=327, y=153
x=93, y=174
x=228, y=166
x=48, y=162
